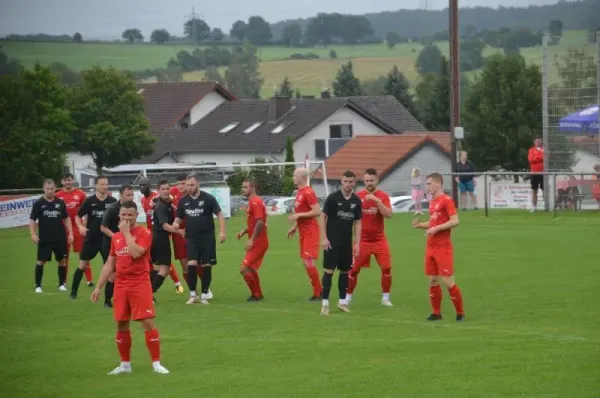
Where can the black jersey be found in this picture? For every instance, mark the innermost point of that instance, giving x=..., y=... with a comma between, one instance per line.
x=164, y=212
x=50, y=215
x=94, y=209
x=111, y=219
x=341, y=215
x=198, y=214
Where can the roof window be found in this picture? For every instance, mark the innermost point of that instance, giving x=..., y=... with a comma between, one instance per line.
x=253, y=127
x=229, y=127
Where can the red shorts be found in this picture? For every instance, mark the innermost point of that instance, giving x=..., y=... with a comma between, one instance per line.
x=77, y=244
x=309, y=246
x=380, y=249
x=133, y=302
x=439, y=261
x=179, y=247
x=254, y=257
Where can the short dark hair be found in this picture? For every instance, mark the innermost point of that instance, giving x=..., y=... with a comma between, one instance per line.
x=250, y=181
x=48, y=181
x=182, y=177
x=163, y=182
x=371, y=172
x=98, y=178
x=349, y=174
x=67, y=175
x=130, y=204
x=437, y=177
x=125, y=187
x=192, y=175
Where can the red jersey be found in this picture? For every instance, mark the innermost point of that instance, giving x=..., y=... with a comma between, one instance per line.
x=257, y=211
x=130, y=271
x=177, y=195
x=535, y=156
x=440, y=211
x=305, y=198
x=372, y=222
x=73, y=200
x=148, y=208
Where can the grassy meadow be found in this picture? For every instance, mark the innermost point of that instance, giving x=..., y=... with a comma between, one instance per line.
x=370, y=61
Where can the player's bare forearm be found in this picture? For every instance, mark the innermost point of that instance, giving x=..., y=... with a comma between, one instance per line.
x=260, y=224
x=383, y=209
x=357, y=230
x=78, y=222
x=106, y=272
x=32, y=227
x=423, y=225
x=322, y=224
x=169, y=228
x=452, y=223
x=68, y=226
x=106, y=231
x=221, y=222
x=135, y=250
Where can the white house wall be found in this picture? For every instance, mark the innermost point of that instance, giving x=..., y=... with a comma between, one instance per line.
x=77, y=162
x=360, y=126
x=206, y=105
x=428, y=160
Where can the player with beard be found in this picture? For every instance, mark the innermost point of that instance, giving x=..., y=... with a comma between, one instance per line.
x=93, y=209
x=148, y=200
x=340, y=220
x=73, y=198
x=376, y=207
x=51, y=230
x=197, y=209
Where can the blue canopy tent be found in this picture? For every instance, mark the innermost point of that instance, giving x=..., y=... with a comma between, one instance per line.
x=586, y=121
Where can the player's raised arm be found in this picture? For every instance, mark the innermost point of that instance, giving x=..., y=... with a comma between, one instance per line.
x=385, y=206
x=139, y=248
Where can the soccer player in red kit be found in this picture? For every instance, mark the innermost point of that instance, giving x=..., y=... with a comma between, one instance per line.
x=306, y=217
x=129, y=258
x=73, y=199
x=376, y=207
x=148, y=196
x=258, y=241
x=439, y=261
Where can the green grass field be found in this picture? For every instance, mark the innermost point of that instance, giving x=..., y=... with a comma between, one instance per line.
x=371, y=61
x=530, y=285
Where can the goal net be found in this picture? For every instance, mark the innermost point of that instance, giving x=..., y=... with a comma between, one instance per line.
x=274, y=181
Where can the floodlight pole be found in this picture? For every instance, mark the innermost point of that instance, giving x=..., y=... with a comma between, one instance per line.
x=454, y=89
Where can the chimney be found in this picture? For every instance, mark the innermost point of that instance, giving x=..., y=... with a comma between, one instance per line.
x=278, y=106
x=326, y=93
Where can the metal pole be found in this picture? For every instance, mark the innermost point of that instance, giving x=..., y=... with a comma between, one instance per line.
x=454, y=87
x=554, y=192
x=545, y=120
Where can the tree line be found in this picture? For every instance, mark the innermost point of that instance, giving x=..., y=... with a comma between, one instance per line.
x=42, y=120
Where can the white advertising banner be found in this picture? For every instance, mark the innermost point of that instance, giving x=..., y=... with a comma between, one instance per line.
x=15, y=212
x=504, y=195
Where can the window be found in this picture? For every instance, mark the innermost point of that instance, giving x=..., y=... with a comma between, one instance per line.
x=229, y=127
x=184, y=125
x=340, y=131
x=253, y=127
x=320, y=152
x=279, y=128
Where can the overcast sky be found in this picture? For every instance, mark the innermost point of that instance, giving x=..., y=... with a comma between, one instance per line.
x=108, y=18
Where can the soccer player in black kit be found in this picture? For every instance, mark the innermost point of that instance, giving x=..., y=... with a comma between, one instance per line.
x=51, y=230
x=163, y=216
x=197, y=209
x=341, y=215
x=93, y=208
x=110, y=226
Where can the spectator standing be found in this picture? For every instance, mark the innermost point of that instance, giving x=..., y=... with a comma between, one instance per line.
x=466, y=183
x=535, y=157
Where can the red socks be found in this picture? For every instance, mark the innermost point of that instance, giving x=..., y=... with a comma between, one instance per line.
x=386, y=280
x=88, y=274
x=173, y=274
x=457, y=300
x=123, y=340
x=353, y=279
x=153, y=344
x=250, y=282
x=435, y=297
x=257, y=288
x=315, y=280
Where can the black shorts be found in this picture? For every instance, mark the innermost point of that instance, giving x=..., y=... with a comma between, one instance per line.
x=203, y=249
x=339, y=256
x=160, y=252
x=45, y=250
x=91, y=249
x=537, y=182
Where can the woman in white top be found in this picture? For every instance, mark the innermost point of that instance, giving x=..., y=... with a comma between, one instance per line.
x=417, y=193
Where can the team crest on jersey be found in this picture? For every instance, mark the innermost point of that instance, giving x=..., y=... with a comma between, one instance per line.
x=352, y=205
x=57, y=206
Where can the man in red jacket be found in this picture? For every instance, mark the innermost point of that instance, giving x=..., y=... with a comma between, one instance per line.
x=536, y=165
